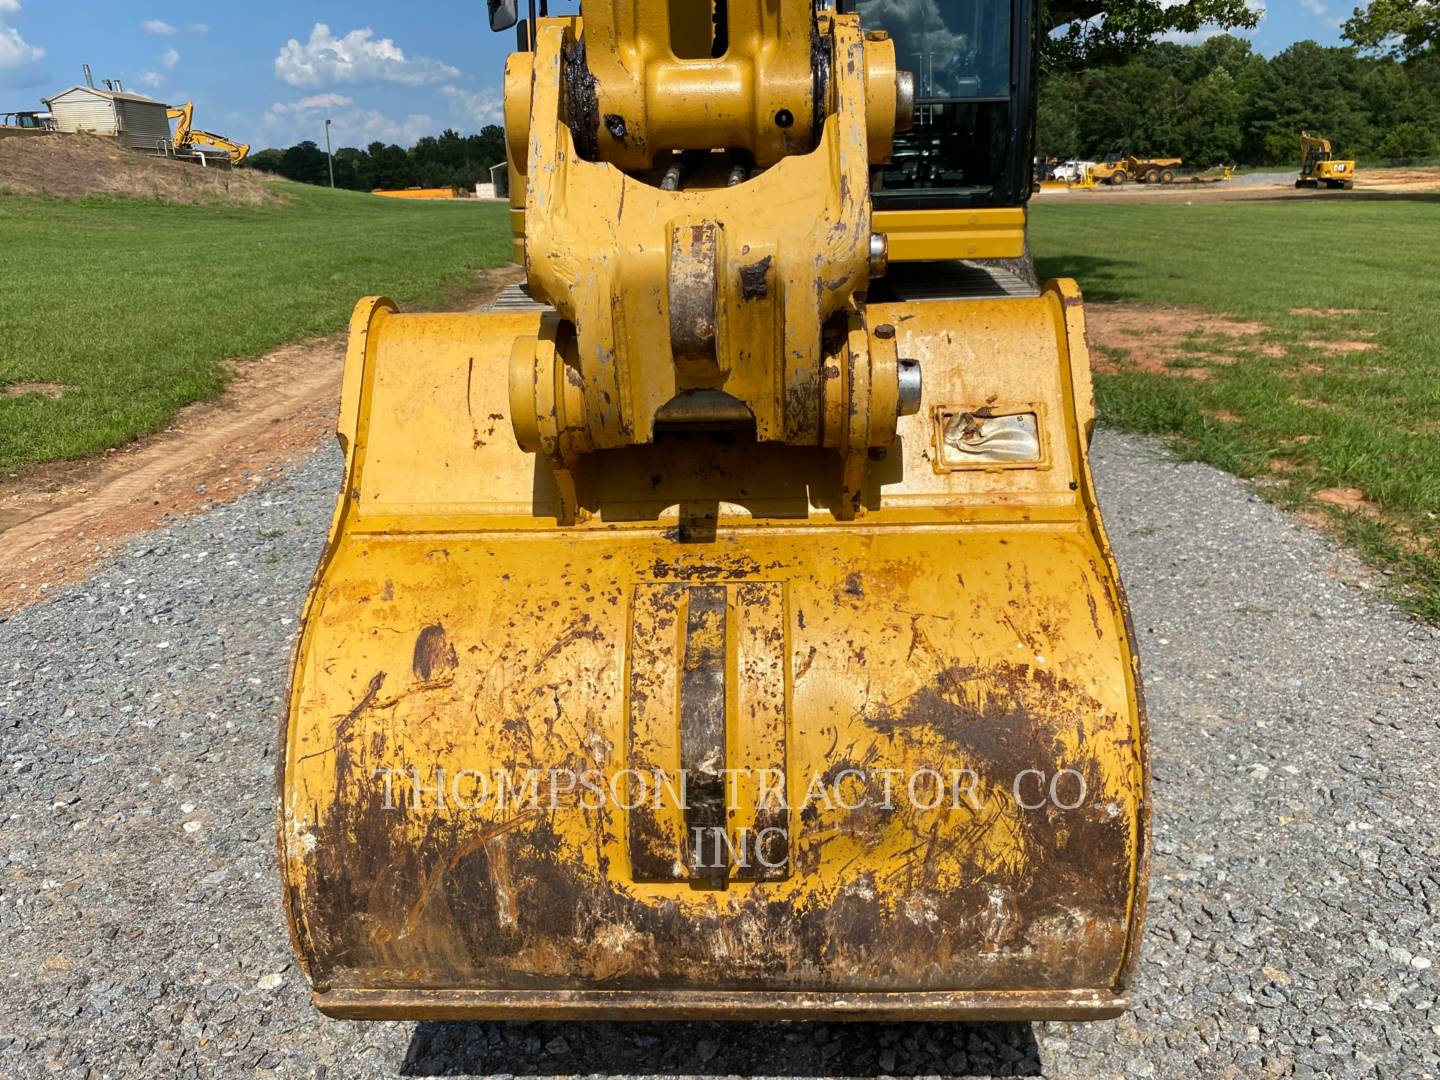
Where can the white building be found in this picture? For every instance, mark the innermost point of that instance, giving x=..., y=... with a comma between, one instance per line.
x=139, y=122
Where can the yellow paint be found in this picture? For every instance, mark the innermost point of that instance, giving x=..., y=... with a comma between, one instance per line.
x=981, y=233
x=1132, y=168
x=418, y=193
x=913, y=235
x=800, y=230
x=948, y=584
x=507, y=587
x=1318, y=165
x=186, y=134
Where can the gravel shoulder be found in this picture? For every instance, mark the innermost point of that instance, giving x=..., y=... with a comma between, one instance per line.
x=1295, y=720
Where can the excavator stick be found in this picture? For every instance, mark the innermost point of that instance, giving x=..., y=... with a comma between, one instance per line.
x=186, y=136
x=674, y=653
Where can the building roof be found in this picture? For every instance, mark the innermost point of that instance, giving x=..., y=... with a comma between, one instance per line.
x=114, y=95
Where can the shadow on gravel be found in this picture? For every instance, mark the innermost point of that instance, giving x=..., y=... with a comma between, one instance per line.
x=795, y=1048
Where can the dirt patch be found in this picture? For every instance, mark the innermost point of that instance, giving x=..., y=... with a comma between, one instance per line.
x=1349, y=498
x=1344, y=498
x=1164, y=340
x=1332, y=345
x=1326, y=313
x=57, y=521
x=83, y=166
x=1227, y=417
x=44, y=389
x=1369, y=183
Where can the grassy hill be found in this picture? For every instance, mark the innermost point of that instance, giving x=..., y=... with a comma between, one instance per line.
x=119, y=312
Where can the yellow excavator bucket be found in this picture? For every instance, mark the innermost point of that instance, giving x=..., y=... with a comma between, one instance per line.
x=674, y=654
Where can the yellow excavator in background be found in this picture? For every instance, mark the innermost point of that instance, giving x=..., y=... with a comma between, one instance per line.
x=725, y=626
x=188, y=136
x=1320, y=168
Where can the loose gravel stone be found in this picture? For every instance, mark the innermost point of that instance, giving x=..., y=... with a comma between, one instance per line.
x=1295, y=720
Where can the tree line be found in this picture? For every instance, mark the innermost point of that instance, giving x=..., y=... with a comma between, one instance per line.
x=1107, y=84
x=1221, y=102
x=447, y=160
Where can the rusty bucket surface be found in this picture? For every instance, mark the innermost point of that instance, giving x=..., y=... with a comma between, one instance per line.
x=712, y=751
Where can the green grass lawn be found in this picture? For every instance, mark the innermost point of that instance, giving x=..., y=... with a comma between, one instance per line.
x=133, y=306
x=1297, y=415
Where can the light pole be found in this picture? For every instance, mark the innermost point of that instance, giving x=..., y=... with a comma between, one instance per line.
x=329, y=157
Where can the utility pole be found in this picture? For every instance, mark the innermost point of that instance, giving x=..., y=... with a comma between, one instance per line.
x=329, y=157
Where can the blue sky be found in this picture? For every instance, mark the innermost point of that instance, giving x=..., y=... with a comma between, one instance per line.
x=269, y=72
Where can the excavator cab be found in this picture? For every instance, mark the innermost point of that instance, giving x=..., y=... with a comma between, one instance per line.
x=726, y=627
x=970, y=140
x=963, y=167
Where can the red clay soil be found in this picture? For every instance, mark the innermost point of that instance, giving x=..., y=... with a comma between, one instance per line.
x=1146, y=337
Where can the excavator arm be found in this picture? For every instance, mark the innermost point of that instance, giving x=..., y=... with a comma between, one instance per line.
x=187, y=135
x=183, y=116
x=238, y=151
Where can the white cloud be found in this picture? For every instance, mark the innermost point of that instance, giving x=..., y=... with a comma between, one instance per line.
x=197, y=28
x=1192, y=37
x=157, y=26
x=289, y=122
x=170, y=59
x=358, y=57
x=364, y=126
x=1195, y=37
x=310, y=104
x=1321, y=12
x=15, y=51
x=151, y=78
x=478, y=109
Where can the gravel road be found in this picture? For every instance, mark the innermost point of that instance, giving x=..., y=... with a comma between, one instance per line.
x=1247, y=179
x=1292, y=922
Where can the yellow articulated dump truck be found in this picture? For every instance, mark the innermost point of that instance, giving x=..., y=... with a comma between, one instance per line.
x=1116, y=169
x=728, y=629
